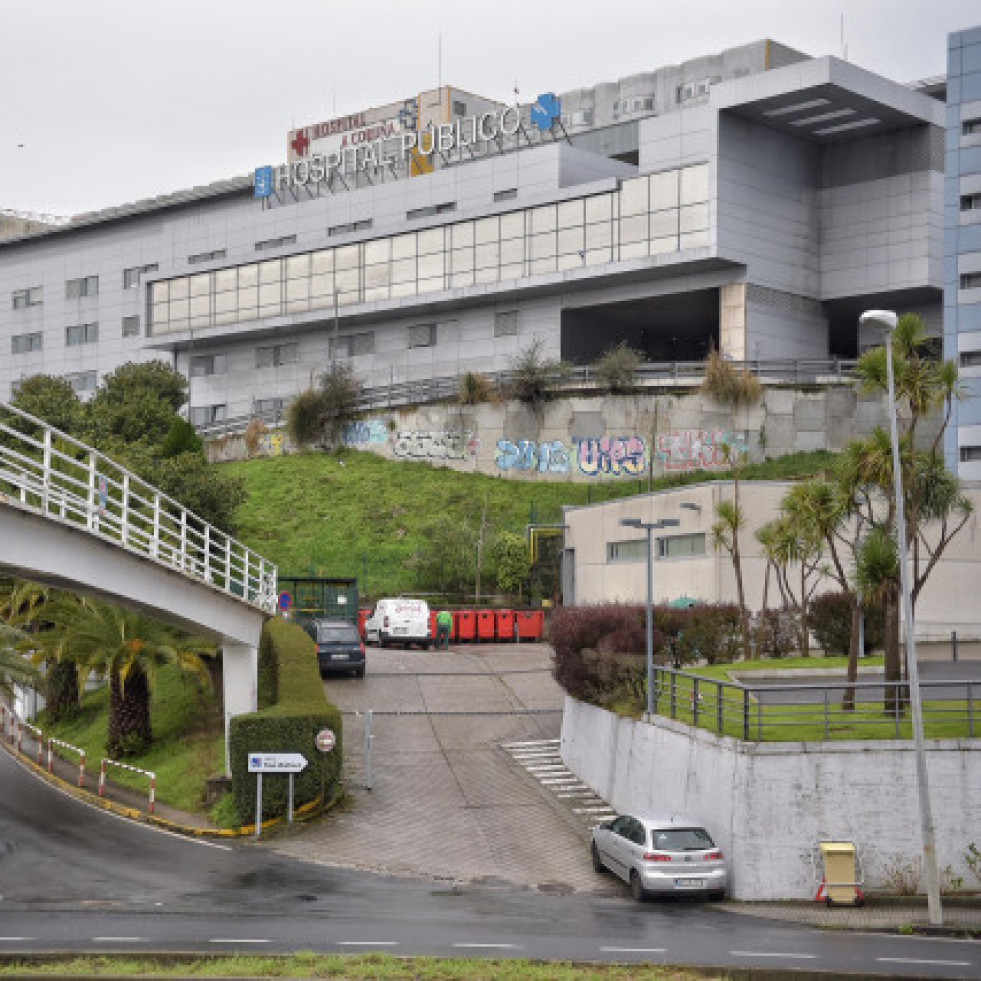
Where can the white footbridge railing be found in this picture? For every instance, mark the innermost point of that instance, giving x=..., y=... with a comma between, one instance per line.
x=48, y=471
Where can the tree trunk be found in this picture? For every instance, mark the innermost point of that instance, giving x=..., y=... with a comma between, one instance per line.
x=805, y=633
x=851, y=675
x=893, y=667
x=129, y=715
x=61, y=689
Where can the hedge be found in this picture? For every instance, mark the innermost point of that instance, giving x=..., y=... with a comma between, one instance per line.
x=287, y=658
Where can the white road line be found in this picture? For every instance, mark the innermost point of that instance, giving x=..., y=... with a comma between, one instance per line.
x=634, y=950
x=367, y=943
x=532, y=742
x=238, y=940
x=118, y=940
x=769, y=953
x=573, y=794
x=489, y=946
x=14, y=939
x=591, y=810
x=912, y=960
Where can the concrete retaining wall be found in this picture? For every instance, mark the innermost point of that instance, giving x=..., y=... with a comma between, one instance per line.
x=768, y=804
x=604, y=437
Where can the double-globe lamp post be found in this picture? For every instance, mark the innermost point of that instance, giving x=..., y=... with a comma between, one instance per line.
x=650, y=527
x=885, y=322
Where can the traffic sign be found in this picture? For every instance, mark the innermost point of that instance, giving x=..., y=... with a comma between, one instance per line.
x=285, y=601
x=277, y=762
x=326, y=740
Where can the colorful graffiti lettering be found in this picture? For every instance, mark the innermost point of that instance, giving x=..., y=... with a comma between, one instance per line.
x=435, y=445
x=698, y=449
x=270, y=444
x=528, y=454
x=614, y=456
x=369, y=431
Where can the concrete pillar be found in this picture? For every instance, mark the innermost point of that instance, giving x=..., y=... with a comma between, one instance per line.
x=240, y=664
x=732, y=321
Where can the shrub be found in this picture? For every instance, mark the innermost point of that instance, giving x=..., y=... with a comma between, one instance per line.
x=830, y=617
x=728, y=384
x=290, y=725
x=254, y=432
x=617, y=368
x=534, y=377
x=476, y=388
x=303, y=422
x=777, y=633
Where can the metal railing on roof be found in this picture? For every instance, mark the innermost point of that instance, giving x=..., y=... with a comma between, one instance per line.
x=778, y=711
x=50, y=472
x=582, y=379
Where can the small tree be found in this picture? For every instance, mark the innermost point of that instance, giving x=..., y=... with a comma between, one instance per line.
x=510, y=554
x=317, y=416
x=617, y=368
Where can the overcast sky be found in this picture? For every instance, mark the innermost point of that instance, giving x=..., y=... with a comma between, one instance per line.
x=108, y=101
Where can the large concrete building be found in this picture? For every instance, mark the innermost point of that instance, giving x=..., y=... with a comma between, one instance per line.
x=757, y=200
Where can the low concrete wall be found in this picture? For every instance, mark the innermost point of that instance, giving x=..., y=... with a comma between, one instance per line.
x=768, y=804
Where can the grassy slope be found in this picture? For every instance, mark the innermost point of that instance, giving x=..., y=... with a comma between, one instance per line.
x=315, y=513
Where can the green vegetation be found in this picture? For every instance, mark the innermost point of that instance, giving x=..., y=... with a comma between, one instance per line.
x=357, y=514
x=188, y=744
x=350, y=968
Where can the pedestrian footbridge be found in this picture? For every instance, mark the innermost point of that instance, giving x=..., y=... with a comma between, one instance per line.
x=72, y=518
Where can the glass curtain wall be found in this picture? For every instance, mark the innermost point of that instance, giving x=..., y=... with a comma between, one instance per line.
x=653, y=214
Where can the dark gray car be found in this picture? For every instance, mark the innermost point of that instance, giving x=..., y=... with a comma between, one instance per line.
x=339, y=646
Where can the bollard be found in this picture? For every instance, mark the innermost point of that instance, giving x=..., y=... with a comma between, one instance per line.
x=153, y=791
x=368, y=740
x=81, y=770
x=102, y=779
x=50, y=757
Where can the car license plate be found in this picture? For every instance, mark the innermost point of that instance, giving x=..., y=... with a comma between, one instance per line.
x=689, y=883
x=399, y=630
x=340, y=657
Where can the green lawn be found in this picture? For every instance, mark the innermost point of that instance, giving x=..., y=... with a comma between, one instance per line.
x=188, y=740
x=357, y=514
x=801, y=722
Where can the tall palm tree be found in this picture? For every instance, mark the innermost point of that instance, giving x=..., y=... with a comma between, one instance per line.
x=15, y=669
x=127, y=648
x=730, y=521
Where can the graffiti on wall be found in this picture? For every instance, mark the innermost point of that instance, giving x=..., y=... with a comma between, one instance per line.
x=528, y=455
x=270, y=444
x=612, y=456
x=369, y=431
x=698, y=449
x=434, y=445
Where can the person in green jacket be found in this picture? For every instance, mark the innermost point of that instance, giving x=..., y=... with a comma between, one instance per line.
x=444, y=623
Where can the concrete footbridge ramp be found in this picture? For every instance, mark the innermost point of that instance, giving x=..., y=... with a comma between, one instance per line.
x=72, y=518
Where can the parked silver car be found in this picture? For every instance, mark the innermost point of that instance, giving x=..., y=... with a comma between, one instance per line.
x=660, y=854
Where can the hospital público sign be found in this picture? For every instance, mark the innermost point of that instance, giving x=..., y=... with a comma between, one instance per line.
x=353, y=144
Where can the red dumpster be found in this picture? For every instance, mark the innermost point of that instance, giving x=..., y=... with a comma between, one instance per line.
x=465, y=624
x=531, y=624
x=505, y=624
x=362, y=618
x=485, y=625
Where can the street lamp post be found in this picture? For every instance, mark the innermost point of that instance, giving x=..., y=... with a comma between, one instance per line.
x=650, y=527
x=885, y=321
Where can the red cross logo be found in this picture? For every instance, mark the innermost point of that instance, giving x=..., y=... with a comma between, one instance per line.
x=300, y=143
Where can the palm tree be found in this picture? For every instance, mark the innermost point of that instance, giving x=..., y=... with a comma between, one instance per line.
x=730, y=520
x=15, y=669
x=128, y=648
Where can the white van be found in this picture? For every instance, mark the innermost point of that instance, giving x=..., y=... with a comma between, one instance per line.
x=399, y=621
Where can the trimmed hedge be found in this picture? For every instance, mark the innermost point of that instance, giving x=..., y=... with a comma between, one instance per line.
x=830, y=617
x=288, y=726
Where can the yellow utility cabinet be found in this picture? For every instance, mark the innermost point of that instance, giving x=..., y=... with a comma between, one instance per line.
x=841, y=879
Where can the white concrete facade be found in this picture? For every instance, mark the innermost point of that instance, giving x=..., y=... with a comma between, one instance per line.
x=767, y=805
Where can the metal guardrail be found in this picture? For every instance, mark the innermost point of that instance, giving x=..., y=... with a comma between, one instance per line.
x=663, y=374
x=793, y=712
x=48, y=471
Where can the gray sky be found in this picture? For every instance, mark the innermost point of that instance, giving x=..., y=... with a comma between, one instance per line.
x=108, y=101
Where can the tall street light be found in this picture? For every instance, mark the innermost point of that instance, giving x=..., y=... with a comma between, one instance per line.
x=885, y=321
x=650, y=527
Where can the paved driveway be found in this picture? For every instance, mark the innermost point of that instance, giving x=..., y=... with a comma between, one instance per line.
x=447, y=801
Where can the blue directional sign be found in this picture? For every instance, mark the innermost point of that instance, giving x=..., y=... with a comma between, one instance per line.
x=263, y=182
x=547, y=108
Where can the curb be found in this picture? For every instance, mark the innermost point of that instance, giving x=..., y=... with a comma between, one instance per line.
x=142, y=817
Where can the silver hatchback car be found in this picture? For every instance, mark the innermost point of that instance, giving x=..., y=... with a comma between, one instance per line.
x=660, y=854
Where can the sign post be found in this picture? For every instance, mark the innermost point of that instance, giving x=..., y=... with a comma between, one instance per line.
x=325, y=742
x=288, y=763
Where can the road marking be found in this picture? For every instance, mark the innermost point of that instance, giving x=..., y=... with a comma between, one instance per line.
x=592, y=810
x=912, y=960
x=367, y=943
x=634, y=950
x=532, y=742
x=118, y=940
x=238, y=940
x=768, y=953
x=14, y=939
x=489, y=946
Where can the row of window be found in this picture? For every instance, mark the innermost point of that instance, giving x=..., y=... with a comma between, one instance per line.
x=971, y=281
x=651, y=215
x=75, y=335
x=81, y=381
x=666, y=547
x=971, y=127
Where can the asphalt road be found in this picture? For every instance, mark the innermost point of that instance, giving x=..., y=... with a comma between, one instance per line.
x=75, y=878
